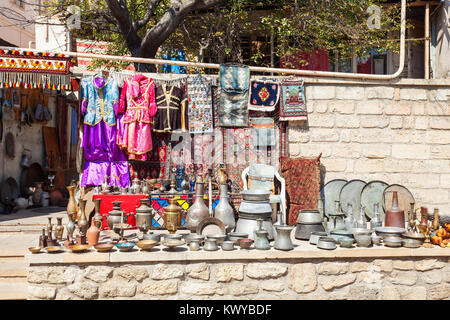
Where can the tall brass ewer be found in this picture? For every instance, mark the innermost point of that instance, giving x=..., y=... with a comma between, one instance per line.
x=172, y=216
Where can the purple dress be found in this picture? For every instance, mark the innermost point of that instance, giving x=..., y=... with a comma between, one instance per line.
x=103, y=157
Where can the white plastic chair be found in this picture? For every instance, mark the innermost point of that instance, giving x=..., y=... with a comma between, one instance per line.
x=275, y=198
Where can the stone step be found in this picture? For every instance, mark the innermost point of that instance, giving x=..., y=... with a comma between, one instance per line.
x=13, y=267
x=13, y=288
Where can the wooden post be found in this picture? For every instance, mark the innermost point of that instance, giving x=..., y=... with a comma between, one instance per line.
x=427, y=41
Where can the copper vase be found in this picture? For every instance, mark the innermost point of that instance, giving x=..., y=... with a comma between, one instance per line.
x=395, y=217
x=72, y=204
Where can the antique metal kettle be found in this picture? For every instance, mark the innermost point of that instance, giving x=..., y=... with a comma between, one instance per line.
x=172, y=216
x=223, y=211
x=115, y=216
x=395, y=217
x=198, y=211
x=144, y=216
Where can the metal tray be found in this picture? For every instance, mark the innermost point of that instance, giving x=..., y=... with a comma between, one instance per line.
x=330, y=193
x=405, y=197
x=371, y=194
x=351, y=194
x=210, y=226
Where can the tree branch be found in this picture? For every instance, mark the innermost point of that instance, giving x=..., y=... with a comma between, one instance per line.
x=152, y=4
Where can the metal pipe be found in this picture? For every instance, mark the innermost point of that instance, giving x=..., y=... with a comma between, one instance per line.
x=253, y=68
x=427, y=42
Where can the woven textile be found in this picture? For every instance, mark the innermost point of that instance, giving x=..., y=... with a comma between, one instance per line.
x=264, y=95
x=292, y=101
x=302, y=177
x=234, y=93
x=199, y=104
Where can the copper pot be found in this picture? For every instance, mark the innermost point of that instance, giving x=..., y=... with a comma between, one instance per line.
x=172, y=216
x=395, y=217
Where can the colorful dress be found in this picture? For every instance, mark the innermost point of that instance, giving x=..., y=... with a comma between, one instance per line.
x=171, y=115
x=138, y=98
x=99, y=103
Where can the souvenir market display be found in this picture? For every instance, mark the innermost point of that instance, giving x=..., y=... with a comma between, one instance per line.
x=167, y=159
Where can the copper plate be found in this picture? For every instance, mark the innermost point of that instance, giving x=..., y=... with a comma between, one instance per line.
x=210, y=226
x=330, y=193
x=405, y=197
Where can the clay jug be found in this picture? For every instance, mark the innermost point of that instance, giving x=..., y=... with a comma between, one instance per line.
x=93, y=234
x=395, y=217
x=72, y=204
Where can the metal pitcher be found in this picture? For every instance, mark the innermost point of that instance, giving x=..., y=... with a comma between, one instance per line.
x=144, y=216
x=261, y=237
x=198, y=211
x=283, y=240
x=223, y=211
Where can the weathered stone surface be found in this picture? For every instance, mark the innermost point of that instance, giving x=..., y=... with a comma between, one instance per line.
x=57, y=275
x=132, y=272
x=228, y=272
x=333, y=268
x=159, y=288
x=303, y=278
x=112, y=289
x=404, y=151
x=413, y=94
x=359, y=292
x=321, y=120
x=374, y=122
x=389, y=293
x=317, y=92
x=439, y=292
x=202, y=289
x=437, y=137
x=369, y=107
x=37, y=275
x=369, y=166
x=98, y=274
x=446, y=273
x=244, y=289
x=41, y=292
x=332, y=282
x=403, y=264
x=372, y=276
x=349, y=93
x=84, y=290
x=333, y=165
x=396, y=122
x=273, y=285
x=421, y=123
x=198, y=271
x=265, y=270
x=432, y=276
x=325, y=135
x=429, y=264
x=359, y=266
x=166, y=271
x=376, y=151
x=398, y=108
x=380, y=93
x=403, y=277
x=413, y=293
x=343, y=107
x=64, y=294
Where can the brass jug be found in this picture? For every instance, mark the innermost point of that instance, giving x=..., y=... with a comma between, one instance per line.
x=172, y=216
x=82, y=220
x=198, y=211
x=98, y=218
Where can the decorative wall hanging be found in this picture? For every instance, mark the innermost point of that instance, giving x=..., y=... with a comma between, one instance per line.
x=200, y=111
x=292, y=101
x=264, y=95
x=234, y=87
x=27, y=69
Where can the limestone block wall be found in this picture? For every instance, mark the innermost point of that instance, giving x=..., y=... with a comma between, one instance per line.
x=398, y=133
x=323, y=279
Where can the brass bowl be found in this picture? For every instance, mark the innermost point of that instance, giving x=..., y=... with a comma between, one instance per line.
x=146, y=245
x=79, y=248
x=172, y=243
x=35, y=249
x=104, y=247
x=54, y=249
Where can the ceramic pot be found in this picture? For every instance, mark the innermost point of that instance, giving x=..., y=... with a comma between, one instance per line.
x=93, y=234
x=72, y=204
x=283, y=241
x=59, y=229
x=198, y=211
x=144, y=216
x=82, y=220
x=223, y=211
x=98, y=219
x=172, y=216
x=395, y=217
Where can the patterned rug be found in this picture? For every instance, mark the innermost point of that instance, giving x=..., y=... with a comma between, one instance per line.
x=292, y=101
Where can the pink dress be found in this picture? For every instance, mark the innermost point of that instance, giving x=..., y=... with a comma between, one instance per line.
x=138, y=98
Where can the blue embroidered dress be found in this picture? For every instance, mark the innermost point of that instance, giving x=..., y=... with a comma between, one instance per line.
x=99, y=103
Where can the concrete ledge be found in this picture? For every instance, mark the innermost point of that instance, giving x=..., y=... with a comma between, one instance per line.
x=161, y=254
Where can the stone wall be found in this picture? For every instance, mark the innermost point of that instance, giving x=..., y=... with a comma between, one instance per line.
x=397, y=132
x=287, y=279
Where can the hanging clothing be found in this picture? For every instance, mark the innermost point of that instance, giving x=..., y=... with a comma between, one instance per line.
x=200, y=110
x=99, y=106
x=138, y=99
x=171, y=114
